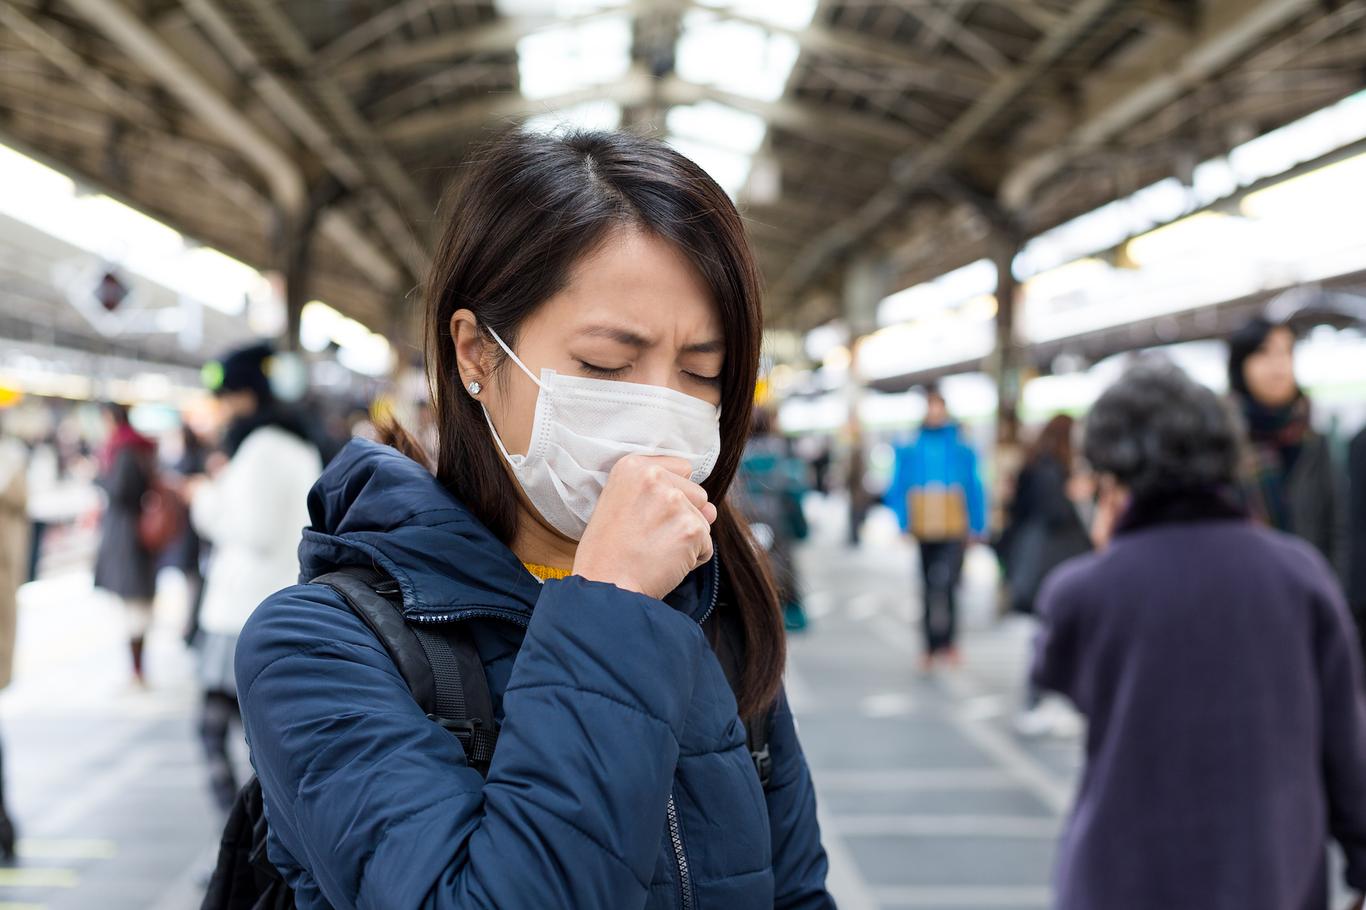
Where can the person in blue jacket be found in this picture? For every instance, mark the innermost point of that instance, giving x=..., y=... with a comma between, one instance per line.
x=936, y=493
x=593, y=328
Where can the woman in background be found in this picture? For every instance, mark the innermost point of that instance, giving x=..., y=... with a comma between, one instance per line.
x=1214, y=662
x=1290, y=481
x=123, y=565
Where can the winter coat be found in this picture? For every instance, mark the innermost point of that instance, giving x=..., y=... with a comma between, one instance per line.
x=1356, y=511
x=253, y=513
x=1315, y=493
x=1044, y=531
x=1216, y=665
x=14, y=539
x=123, y=566
x=621, y=777
x=939, y=467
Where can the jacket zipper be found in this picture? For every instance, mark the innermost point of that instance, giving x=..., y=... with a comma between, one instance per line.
x=685, y=895
x=715, y=588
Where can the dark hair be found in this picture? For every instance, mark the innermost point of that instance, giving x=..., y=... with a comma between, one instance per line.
x=528, y=209
x=117, y=412
x=1054, y=441
x=932, y=390
x=1242, y=344
x=1159, y=433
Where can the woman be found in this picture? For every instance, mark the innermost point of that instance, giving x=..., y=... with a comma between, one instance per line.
x=1044, y=528
x=1291, y=481
x=594, y=327
x=123, y=565
x=14, y=528
x=1213, y=660
x=250, y=511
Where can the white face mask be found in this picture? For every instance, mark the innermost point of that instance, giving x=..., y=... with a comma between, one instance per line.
x=585, y=426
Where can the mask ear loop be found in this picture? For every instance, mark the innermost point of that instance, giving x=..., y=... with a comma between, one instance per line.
x=515, y=359
x=489, y=420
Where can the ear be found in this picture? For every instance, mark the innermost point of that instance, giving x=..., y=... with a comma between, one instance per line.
x=471, y=354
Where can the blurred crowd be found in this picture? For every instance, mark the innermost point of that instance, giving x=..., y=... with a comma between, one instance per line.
x=1189, y=560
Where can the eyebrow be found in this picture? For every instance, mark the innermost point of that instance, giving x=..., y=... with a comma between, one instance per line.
x=634, y=340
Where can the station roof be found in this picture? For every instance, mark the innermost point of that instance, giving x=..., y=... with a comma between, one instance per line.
x=914, y=131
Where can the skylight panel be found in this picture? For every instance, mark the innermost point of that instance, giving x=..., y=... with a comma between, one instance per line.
x=571, y=57
x=735, y=56
x=554, y=8
x=719, y=125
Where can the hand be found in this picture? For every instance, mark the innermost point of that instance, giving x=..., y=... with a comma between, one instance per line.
x=652, y=526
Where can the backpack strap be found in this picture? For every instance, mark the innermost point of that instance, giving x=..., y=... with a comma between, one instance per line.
x=463, y=703
x=729, y=646
x=443, y=671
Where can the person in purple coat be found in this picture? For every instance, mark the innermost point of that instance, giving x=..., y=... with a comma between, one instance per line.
x=1216, y=665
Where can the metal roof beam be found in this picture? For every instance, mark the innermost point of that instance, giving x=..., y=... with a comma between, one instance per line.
x=639, y=88
x=121, y=26
x=1179, y=60
x=912, y=171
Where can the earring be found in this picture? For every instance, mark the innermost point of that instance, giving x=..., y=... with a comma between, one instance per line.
x=475, y=388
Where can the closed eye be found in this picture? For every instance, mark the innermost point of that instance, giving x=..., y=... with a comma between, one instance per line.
x=698, y=377
x=603, y=372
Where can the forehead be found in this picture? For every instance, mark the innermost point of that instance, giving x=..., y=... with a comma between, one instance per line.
x=642, y=280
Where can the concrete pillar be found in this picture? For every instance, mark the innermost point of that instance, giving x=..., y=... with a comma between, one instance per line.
x=1007, y=357
x=867, y=281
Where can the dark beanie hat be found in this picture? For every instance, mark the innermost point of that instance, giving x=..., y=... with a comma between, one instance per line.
x=246, y=369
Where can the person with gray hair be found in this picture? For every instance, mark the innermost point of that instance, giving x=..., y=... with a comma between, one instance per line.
x=1214, y=661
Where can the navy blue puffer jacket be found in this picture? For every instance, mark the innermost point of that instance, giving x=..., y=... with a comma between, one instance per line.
x=621, y=779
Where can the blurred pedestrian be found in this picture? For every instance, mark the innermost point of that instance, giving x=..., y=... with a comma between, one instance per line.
x=1291, y=481
x=937, y=495
x=1356, y=511
x=44, y=477
x=188, y=552
x=1043, y=527
x=251, y=508
x=1043, y=530
x=14, y=531
x=773, y=483
x=1214, y=662
x=124, y=566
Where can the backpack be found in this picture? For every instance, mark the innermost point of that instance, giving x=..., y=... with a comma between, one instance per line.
x=446, y=677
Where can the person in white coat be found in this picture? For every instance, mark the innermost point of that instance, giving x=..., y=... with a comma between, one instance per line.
x=13, y=567
x=252, y=507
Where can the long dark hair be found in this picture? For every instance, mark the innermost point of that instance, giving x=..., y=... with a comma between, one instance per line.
x=526, y=210
x=1054, y=441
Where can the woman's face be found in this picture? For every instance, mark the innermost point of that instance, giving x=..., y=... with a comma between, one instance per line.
x=635, y=311
x=1270, y=371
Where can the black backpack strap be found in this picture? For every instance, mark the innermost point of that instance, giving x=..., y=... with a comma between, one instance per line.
x=463, y=703
x=443, y=671
x=730, y=647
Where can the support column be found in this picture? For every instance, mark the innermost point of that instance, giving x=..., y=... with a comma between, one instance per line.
x=292, y=237
x=866, y=283
x=1007, y=357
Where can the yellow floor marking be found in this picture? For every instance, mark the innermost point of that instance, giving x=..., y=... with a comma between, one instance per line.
x=37, y=877
x=66, y=848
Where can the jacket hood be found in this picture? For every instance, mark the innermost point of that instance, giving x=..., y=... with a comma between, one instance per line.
x=948, y=432
x=374, y=506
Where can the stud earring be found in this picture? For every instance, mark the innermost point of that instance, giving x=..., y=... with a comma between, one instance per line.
x=475, y=388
